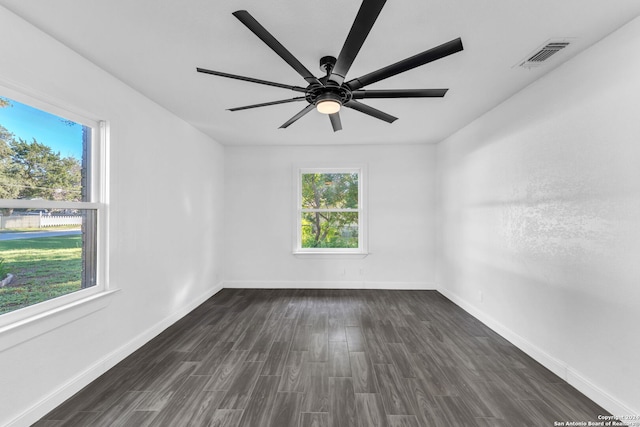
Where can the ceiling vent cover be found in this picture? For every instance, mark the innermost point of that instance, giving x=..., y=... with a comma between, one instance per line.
x=542, y=54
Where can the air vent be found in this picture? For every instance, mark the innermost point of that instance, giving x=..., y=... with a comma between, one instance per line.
x=542, y=54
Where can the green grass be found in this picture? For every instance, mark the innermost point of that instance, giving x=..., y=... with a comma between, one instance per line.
x=56, y=228
x=44, y=268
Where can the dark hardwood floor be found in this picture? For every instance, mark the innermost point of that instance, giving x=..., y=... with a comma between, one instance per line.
x=304, y=358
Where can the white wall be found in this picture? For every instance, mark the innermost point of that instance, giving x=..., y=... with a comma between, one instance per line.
x=259, y=218
x=158, y=164
x=540, y=219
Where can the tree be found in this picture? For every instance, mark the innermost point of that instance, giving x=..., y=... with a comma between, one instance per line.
x=43, y=173
x=322, y=195
x=8, y=185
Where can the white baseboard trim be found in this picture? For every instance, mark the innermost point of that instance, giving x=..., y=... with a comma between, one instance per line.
x=558, y=367
x=71, y=387
x=283, y=284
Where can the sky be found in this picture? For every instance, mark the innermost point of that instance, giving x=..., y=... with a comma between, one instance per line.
x=27, y=123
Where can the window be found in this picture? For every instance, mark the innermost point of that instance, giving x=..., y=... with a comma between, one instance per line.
x=51, y=189
x=330, y=211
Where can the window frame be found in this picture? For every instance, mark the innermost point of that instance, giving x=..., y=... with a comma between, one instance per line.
x=362, y=248
x=97, y=181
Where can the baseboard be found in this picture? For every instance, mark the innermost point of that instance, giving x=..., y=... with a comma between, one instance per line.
x=57, y=397
x=283, y=284
x=558, y=367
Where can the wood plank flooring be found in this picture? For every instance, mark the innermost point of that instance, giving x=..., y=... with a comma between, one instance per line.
x=326, y=358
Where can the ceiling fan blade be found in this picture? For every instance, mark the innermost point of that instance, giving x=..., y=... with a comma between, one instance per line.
x=358, y=106
x=335, y=121
x=399, y=93
x=264, y=35
x=266, y=104
x=297, y=116
x=366, y=17
x=250, y=79
x=425, y=57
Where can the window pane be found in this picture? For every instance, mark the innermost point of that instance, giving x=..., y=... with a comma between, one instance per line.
x=329, y=190
x=329, y=229
x=46, y=255
x=41, y=154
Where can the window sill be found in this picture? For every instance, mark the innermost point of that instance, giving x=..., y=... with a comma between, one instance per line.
x=23, y=330
x=330, y=255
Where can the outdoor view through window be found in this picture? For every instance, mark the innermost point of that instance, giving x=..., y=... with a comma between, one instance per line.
x=329, y=210
x=47, y=238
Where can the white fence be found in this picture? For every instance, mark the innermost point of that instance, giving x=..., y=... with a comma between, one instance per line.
x=53, y=221
x=37, y=221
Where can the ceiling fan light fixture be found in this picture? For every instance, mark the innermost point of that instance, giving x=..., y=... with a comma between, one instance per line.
x=328, y=106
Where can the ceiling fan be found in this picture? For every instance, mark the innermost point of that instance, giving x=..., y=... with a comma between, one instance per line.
x=329, y=93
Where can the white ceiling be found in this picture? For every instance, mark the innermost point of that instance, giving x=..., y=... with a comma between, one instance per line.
x=156, y=45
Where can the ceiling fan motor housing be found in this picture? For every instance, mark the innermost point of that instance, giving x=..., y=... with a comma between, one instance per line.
x=333, y=92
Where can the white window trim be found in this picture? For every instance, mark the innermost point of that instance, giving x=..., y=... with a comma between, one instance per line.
x=362, y=249
x=40, y=313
